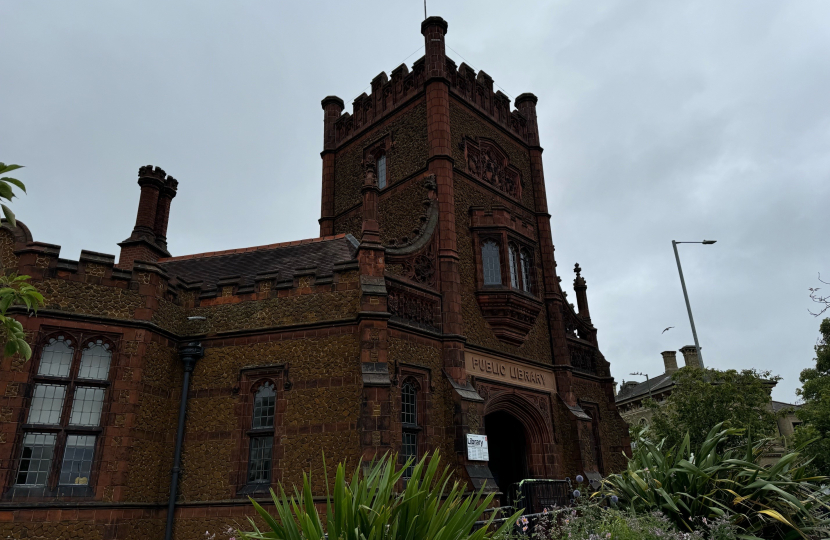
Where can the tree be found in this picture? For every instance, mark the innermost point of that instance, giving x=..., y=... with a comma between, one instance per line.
x=14, y=289
x=703, y=398
x=822, y=300
x=815, y=413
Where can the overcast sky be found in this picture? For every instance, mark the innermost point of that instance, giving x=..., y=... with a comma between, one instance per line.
x=660, y=120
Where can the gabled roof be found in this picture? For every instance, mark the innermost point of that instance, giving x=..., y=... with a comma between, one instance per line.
x=279, y=261
x=778, y=406
x=656, y=384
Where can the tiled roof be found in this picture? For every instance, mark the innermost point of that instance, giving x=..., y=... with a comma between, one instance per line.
x=243, y=265
x=656, y=384
x=780, y=405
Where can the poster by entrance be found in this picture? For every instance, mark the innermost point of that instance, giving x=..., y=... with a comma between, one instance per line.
x=477, y=448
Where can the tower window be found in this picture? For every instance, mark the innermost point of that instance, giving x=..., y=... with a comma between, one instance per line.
x=527, y=265
x=65, y=413
x=514, y=270
x=262, y=435
x=409, y=420
x=490, y=262
x=381, y=168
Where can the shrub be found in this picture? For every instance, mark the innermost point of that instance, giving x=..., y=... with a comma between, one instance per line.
x=781, y=501
x=369, y=508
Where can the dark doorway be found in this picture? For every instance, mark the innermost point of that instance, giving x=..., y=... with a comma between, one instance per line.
x=508, y=450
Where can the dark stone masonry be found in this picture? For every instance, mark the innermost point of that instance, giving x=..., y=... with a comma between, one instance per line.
x=429, y=309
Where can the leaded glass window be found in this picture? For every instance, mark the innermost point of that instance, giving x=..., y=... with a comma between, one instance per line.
x=381, y=168
x=261, y=441
x=527, y=265
x=409, y=420
x=68, y=392
x=77, y=459
x=514, y=270
x=36, y=459
x=490, y=262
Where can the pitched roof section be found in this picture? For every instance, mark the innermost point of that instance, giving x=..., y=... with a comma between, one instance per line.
x=243, y=265
x=656, y=384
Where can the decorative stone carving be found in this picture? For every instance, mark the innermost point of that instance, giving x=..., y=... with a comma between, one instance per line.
x=412, y=307
x=511, y=314
x=489, y=163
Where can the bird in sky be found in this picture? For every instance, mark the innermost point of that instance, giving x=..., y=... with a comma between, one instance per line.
x=667, y=329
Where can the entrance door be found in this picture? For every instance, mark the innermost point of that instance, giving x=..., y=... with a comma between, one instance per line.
x=508, y=450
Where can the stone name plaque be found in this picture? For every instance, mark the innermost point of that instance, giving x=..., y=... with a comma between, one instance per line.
x=509, y=371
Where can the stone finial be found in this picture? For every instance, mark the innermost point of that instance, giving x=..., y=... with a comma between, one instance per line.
x=577, y=270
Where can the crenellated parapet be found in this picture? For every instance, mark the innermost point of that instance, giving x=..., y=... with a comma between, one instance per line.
x=477, y=90
x=387, y=94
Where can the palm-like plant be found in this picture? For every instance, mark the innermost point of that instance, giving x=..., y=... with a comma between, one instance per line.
x=777, y=502
x=368, y=508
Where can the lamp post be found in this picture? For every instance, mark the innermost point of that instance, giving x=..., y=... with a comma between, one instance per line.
x=647, y=382
x=686, y=294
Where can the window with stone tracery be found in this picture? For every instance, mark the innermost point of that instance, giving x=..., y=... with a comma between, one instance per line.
x=63, y=421
x=409, y=421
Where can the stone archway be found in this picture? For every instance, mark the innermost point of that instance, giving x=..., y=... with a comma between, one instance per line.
x=530, y=414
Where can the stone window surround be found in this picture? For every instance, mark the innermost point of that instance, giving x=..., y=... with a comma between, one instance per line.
x=250, y=380
x=503, y=239
x=373, y=152
x=80, y=341
x=420, y=379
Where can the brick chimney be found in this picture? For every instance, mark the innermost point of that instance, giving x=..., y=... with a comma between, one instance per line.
x=670, y=361
x=148, y=241
x=690, y=356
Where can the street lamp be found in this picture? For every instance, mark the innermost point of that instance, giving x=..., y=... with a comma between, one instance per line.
x=647, y=382
x=686, y=295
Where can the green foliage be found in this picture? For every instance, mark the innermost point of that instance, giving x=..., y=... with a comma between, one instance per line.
x=368, y=508
x=7, y=192
x=14, y=289
x=815, y=413
x=702, y=399
x=781, y=501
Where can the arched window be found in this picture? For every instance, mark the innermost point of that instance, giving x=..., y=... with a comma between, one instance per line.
x=262, y=435
x=409, y=420
x=514, y=269
x=527, y=265
x=381, y=169
x=55, y=385
x=490, y=262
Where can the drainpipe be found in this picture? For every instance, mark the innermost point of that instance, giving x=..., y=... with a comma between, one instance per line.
x=189, y=353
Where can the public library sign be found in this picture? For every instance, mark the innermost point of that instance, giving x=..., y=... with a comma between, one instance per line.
x=509, y=371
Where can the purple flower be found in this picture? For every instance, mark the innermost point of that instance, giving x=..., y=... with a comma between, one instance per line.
x=577, y=493
x=615, y=499
x=579, y=479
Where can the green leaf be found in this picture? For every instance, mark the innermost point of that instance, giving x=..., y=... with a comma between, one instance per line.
x=9, y=215
x=14, y=181
x=6, y=191
x=8, y=168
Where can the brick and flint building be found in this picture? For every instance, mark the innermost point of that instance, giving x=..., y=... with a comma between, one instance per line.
x=429, y=309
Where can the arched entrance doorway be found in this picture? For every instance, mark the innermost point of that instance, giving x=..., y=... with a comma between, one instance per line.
x=508, y=450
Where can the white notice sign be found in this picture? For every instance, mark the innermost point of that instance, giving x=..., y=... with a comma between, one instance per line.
x=477, y=448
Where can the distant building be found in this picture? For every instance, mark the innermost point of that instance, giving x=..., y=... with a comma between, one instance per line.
x=632, y=395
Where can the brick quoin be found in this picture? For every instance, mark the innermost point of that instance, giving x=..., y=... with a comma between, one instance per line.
x=392, y=292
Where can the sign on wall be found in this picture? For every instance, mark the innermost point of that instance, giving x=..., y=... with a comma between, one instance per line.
x=477, y=448
x=509, y=371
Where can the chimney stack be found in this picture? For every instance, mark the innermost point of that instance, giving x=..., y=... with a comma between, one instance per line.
x=690, y=356
x=670, y=361
x=526, y=103
x=148, y=241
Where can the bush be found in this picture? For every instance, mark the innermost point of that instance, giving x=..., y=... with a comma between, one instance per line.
x=779, y=502
x=368, y=508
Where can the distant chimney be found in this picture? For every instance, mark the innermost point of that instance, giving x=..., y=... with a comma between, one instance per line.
x=670, y=361
x=148, y=241
x=690, y=356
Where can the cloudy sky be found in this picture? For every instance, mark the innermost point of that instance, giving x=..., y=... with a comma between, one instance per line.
x=660, y=120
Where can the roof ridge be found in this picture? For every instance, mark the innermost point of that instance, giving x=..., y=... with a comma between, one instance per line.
x=254, y=248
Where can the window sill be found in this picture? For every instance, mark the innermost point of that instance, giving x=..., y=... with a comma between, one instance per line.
x=263, y=488
x=43, y=492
